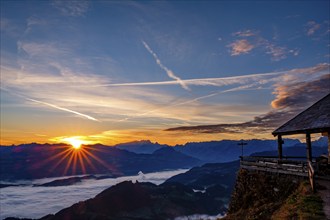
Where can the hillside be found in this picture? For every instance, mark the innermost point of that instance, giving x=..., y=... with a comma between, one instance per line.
x=260, y=195
x=216, y=175
x=128, y=201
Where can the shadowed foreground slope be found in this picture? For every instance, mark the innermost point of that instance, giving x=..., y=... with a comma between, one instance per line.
x=260, y=195
x=129, y=200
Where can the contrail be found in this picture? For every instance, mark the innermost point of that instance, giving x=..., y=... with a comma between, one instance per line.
x=168, y=71
x=50, y=105
x=239, y=88
x=220, y=81
x=63, y=109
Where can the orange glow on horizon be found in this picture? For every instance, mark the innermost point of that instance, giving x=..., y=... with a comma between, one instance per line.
x=76, y=144
x=75, y=141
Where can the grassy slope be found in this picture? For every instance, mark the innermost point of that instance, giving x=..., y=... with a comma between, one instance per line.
x=302, y=204
x=259, y=195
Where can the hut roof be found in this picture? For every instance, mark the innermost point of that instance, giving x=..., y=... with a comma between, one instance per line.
x=315, y=119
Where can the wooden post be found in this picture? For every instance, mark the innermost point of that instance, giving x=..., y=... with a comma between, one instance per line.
x=309, y=147
x=279, y=146
x=242, y=145
x=328, y=147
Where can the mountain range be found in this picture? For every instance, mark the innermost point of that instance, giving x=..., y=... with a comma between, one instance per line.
x=31, y=161
x=35, y=161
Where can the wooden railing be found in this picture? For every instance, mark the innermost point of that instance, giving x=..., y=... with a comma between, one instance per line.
x=272, y=164
x=311, y=174
x=286, y=165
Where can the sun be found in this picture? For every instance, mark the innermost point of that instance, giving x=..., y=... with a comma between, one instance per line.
x=75, y=141
x=78, y=156
x=76, y=144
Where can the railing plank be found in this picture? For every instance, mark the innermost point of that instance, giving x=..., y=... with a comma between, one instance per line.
x=291, y=167
x=311, y=175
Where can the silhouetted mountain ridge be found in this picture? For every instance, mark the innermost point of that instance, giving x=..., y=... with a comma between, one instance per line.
x=144, y=146
x=29, y=161
x=38, y=161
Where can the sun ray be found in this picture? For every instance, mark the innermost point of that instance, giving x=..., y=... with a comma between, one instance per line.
x=68, y=152
x=68, y=165
x=82, y=163
x=54, y=157
x=79, y=157
x=74, y=165
x=89, y=162
x=113, y=169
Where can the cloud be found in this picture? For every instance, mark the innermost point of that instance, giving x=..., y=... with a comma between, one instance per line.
x=312, y=27
x=295, y=52
x=200, y=216
x=293, y=16
x=40, y=50
x=34, y=21
x=168, y=71
x=256, y=41
x=72, y=8
x=36, y=202
x=245, y=33
x=296, y=95
x=277, y=53
x=291, y=98
x=241, y=47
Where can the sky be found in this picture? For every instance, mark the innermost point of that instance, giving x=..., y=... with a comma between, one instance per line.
x=117, y=71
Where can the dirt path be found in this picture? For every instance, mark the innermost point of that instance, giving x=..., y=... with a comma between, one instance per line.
x=325, y=195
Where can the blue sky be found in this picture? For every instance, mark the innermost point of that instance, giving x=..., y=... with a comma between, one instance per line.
x=114, y=71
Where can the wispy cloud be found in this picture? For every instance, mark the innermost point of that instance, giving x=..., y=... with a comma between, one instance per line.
x=40, y=50
x=169, y=72
x=277, y=53
x=318, y=30
x=249, y=82
x=33, y=21
x=291, y=98
x=295, y=95
x=71, y=8
x=312, y=27
x=63, y=109
x=245, y=33
x=255, y=41
x=240, y=47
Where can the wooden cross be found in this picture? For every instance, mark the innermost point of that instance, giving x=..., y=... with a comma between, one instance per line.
x=242, y=144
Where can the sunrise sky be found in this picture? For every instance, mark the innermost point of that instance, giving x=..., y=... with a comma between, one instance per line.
x=119, y=71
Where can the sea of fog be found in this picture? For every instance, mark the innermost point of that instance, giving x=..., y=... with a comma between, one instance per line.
x=35, y=202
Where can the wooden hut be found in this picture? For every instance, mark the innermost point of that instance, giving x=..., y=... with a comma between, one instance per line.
x=315, y=119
